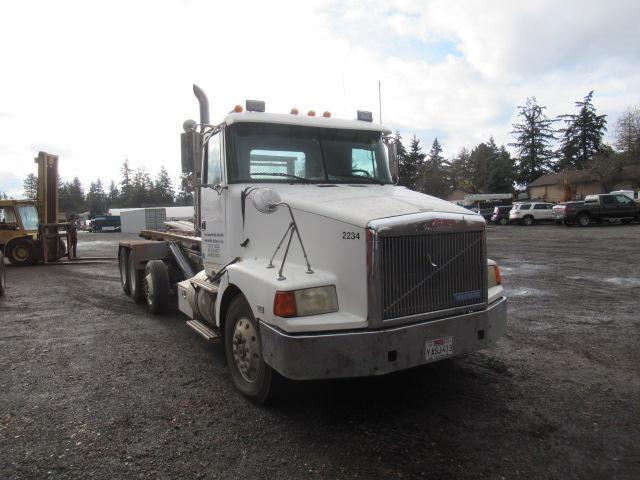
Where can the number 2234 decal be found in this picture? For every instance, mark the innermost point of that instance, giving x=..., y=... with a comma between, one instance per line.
x=351, y=235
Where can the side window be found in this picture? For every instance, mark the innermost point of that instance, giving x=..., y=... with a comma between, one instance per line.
x=525, y=206
x=608, y=200
x=540, y=206
x=623, y=199
x=7, y=215
x=214, y=171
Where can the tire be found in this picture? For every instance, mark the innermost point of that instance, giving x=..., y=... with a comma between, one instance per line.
x=3, y=276
x=123, y=267
x=527, y=221
x=503, y=221
x=156, y=286
x=244, y=351
x=583, y=219
x=22, y=252
x=135, y=281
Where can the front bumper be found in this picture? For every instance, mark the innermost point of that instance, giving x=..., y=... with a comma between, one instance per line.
x=377, y=352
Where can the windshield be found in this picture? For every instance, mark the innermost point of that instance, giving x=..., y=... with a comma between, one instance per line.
x=29, y=216
x=263, y=152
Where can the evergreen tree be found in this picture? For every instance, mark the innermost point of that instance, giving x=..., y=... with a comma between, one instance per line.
x=185, y=194
x=460, y=171
x=533, y=142
x=142, y=188
x=113, y=196
x=96, y=199
x=434, y=179
x=126, y=185
x=627, y=132
x=163, y=188
x=582, y=135
x=412, y=165
x=491, y=169
x=30, y=185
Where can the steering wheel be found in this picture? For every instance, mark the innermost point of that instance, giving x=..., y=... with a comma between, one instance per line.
x=363, y=171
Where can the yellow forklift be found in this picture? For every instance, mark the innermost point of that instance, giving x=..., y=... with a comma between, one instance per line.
x=29, y=230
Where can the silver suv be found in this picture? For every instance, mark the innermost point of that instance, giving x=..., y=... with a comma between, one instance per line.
x=530, y=212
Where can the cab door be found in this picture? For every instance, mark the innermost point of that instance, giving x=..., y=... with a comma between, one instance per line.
x=213, y=204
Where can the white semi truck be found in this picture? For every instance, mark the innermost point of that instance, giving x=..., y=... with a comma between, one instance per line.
x=308, y=261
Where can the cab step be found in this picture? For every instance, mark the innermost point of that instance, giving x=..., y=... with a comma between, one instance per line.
x=203, y=330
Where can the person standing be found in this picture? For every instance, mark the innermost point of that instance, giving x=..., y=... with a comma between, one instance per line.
x=73, y=238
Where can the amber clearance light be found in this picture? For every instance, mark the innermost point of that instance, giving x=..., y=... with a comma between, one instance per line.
x=284, y=305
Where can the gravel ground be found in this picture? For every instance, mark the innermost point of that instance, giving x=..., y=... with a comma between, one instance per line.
x=92, y=386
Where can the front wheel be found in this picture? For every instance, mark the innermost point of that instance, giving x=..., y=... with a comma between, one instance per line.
x=123, y=266
x=22, y=252
x=251, y=375
x=527, y=221
x=503, y=221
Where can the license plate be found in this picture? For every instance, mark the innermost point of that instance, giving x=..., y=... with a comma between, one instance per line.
x=439, y=348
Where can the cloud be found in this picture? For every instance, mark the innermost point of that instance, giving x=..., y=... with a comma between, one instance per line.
x=114, y=82
x=11, y=184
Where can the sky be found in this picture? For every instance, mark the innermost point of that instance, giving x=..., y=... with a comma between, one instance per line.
x=98, y=82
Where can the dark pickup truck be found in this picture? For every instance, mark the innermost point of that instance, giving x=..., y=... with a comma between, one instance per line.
x=595, y=208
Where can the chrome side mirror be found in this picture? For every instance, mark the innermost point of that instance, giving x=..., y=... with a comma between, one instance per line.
x=392, y=149
x=265, y=200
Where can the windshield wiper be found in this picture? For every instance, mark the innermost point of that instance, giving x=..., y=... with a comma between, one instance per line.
x=359, y=177
x=278, y=174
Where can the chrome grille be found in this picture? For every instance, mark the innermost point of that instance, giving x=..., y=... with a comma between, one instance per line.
x=430, y=272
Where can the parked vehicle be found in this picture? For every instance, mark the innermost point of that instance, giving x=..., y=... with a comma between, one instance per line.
x=530, y=212
x=557, y=212
x=501, y=214
x=107, y=223
x=306, y=259
x=597, y=208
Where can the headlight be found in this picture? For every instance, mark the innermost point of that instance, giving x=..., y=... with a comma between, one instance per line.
x=494, y=275
x=308, y=301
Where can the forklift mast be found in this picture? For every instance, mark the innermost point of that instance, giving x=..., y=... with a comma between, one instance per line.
x=47, y=200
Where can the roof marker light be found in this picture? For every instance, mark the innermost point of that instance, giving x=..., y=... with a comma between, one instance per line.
x=365, y=116
x=237, y=109
x=255, y=105
x=326, y=114
x=294, y=111
x=311, y=113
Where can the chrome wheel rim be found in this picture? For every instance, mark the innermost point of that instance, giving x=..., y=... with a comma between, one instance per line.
x=245, y=349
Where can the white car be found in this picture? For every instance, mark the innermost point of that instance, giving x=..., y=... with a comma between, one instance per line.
x=530, y=212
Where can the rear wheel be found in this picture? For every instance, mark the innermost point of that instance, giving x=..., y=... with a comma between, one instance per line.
x=251, y=375
x=123, y=266
x=22, y=252
x=135, y=281
x=503, y=221
x=527, y=221
x=156, y=286
x=584, y=219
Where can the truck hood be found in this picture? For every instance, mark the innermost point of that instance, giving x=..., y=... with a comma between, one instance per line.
x=359, y=204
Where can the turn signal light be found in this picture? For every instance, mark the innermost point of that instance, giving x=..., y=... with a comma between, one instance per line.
x=311, y=113
x=294, y=111
x=284, y=305
x=498, y=275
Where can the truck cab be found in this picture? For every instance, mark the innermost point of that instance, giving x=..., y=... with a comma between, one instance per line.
x=316, y=265
x=19, y=231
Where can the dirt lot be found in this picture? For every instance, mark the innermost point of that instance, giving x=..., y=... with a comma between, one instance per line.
x=92, y=386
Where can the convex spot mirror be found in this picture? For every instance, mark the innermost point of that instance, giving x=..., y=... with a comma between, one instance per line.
x=266, y=200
